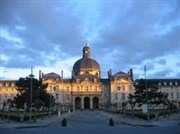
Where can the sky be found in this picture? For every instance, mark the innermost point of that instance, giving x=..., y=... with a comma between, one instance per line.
x=122, y=34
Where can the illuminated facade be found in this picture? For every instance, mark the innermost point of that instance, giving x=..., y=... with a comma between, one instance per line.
x=86, y=89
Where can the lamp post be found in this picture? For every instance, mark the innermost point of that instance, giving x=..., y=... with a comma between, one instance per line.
x=147, y=103
x=50, y=102
x=30, y=109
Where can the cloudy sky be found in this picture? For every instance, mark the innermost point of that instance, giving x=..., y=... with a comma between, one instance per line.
x=122, y=34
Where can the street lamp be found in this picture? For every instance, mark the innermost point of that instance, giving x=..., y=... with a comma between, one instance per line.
x=50, y=101
x=30, y=109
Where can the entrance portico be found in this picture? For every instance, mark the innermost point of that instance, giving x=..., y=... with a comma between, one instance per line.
x=85, y=102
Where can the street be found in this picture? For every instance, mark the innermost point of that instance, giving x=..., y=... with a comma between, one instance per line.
x=92, y=122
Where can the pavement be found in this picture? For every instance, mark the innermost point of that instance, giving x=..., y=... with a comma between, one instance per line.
x=173, y=120
x=46, y=121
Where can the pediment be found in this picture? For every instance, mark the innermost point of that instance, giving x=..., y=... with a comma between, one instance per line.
x=50, y=81
x=122, y=80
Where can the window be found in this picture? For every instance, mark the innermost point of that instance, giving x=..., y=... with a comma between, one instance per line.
x=130, y=87
x=123, y=96
x=159, y=83
x=95, y=80
x=67, y=88
x=12, y=96
x=176, y=83
x=170, y=83
x=165, y=83
x=87, y=88
x=12, y=84
x=54, y=88
x=67, y=97
x=77, y=88
x=123, y=87
x=6, y=96
x=86, y=79
x=172, y=95
x=95, y=88
x=177, y=95
x=96, y=74
x=116, y=96
x=118, y=88
x=57, y=96
x=77, y=80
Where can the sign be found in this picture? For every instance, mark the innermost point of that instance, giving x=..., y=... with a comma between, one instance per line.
x=145, y=108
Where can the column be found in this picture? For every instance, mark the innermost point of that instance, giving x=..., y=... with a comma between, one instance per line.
x=73, y=104
x=91, y=102
x=82, y=102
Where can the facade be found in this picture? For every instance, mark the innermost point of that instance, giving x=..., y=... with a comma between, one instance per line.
x=86, y=89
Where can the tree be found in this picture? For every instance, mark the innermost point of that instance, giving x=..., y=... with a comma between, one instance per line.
x=151, y=96
x=40, y=97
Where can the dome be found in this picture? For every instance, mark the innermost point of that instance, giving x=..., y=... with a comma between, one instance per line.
x=86, y=64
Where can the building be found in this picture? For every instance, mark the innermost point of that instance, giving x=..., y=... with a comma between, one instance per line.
x=86, y=89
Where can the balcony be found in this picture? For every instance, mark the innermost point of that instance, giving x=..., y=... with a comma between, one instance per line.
x=86, y=92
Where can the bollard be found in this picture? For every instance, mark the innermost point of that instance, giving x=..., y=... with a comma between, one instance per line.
x=111, y=122
x=64, y=122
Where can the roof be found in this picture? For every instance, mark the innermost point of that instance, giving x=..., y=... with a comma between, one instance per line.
x=120, y=73
x=86, y=63
x=51, y=75
x=167, y=81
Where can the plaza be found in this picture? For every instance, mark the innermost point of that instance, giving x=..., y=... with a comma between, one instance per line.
x=93, y=122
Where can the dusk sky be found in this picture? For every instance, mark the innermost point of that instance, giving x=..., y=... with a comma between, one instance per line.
x=122, y=34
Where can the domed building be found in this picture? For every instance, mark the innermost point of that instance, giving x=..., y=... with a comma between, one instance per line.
x=86, y=89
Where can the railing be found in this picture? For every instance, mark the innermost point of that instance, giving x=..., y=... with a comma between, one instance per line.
x=87, y=92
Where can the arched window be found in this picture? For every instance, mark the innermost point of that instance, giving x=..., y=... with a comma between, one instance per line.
x=97, y=74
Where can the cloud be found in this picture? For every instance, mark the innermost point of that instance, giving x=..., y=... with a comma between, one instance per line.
x=121, y=35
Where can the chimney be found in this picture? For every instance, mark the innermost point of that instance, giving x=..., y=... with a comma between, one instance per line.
x=109, y=73
x=72, y=74
x=40, y=75
x=131, y=73
x=62, y=74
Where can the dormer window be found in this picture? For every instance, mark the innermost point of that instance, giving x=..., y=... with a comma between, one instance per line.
x=170, y=83
x=159, y=83
x=165, y=83
x=86, y=79
x=176, y=83
x=77, y=80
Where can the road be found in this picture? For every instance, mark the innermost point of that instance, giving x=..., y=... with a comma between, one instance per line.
x=92, y=122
